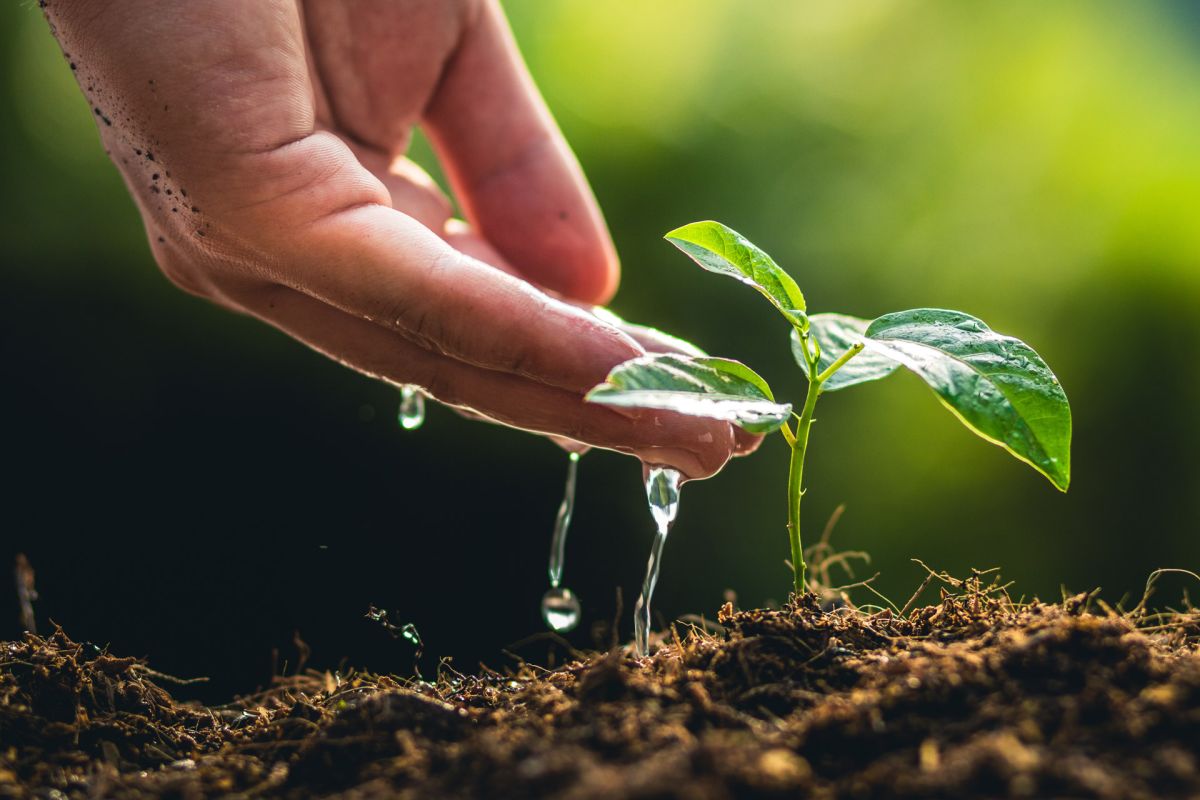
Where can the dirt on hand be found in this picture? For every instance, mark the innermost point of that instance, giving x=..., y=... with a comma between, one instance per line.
x=976, y=696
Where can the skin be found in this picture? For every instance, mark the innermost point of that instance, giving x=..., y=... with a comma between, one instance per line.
x=264, y=142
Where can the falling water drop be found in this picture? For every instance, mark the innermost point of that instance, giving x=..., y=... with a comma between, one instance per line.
x=558, y=542
x=560, y=607
x=412, y=407
x=662, y=492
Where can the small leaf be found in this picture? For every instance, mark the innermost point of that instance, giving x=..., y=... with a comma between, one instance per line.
x=723, y=250
x=997, y=385
x=837, y=333
x=716, y=388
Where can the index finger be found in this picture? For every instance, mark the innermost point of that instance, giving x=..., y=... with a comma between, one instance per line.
x=512, y=172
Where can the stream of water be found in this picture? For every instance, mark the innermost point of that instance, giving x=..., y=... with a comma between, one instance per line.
x=662, y=494
x=560, y=607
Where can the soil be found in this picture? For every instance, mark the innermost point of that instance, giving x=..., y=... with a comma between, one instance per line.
x=974, y=696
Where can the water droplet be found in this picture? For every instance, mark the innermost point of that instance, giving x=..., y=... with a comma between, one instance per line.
x=412, y=407
x=560, y=609
x=662, y=494
x=560, y=606
x=971, y=325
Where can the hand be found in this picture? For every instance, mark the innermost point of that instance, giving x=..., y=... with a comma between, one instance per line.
x=263, y=145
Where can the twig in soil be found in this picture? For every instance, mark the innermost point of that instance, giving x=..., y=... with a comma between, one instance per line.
x=856, y=585
x=541, y=637
x=162, y=676
x=843, y=560
x=867, y=585
x=944, y=577
x=1140, y=608
x=305, y=651
x=408, y=632
x=913, y=600
x=26, y=593
x=616, y=623
x=831, y=523
x=704, y=624
x=821, y=556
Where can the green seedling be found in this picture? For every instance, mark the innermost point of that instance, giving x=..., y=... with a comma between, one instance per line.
x=995, y=385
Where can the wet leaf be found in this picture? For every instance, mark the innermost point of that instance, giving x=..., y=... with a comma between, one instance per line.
x=716, y=388
x=837, y=333
x=723, y=250
x=997, y=385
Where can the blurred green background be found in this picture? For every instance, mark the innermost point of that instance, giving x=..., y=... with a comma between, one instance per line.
x=188, y=482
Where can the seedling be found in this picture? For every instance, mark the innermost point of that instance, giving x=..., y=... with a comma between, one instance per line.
x=995, y=385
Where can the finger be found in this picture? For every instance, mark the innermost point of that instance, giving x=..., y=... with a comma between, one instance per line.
x=511, y=170
x=414, y=192
x=697, y=447
x=570, y=445
x=410, y=188
x=331, y=237
x=654, y=340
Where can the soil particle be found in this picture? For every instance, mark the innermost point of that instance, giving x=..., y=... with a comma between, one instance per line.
x=974, y=696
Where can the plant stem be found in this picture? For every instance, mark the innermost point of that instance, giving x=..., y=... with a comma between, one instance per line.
x=854, y=350
x=799, y=444
x=795, y=484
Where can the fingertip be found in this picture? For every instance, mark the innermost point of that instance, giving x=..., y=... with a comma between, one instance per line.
x=596, y=276
x=745, y=443
x=699, y=449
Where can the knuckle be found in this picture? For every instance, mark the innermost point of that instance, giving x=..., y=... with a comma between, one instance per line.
x=418, y=315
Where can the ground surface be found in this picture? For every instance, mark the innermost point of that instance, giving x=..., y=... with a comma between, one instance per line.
x=974, y=696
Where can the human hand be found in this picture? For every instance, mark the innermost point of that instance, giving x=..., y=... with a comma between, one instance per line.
x=263, y=145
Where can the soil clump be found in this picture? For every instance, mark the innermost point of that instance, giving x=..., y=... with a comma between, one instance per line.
x=974, y=696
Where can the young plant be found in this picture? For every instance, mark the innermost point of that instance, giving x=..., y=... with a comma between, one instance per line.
x=995, y=385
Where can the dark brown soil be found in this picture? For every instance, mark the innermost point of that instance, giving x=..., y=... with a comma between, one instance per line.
x=975, y=696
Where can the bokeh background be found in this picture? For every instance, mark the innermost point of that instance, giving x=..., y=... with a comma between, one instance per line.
x=195, y=487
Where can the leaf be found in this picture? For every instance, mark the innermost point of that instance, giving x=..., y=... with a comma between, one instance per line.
x=837, y=333
x=716, y=388
x=723, y=250
x=997, y=385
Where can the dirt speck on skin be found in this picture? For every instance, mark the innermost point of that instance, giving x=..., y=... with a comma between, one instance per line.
x=975, y=696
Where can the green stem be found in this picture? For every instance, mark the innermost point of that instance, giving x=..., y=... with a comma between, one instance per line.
x=799, y=445
x=854, y=350
x=796, y=481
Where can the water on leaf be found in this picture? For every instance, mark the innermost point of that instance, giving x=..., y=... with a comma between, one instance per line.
x=412, y=407
x=971, y=326
x=662, y=494
x=560, y=609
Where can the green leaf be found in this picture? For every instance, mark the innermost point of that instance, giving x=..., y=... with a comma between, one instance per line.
x=723, y=250
x=837, y=333
x=702, y=387
x=997, y=385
